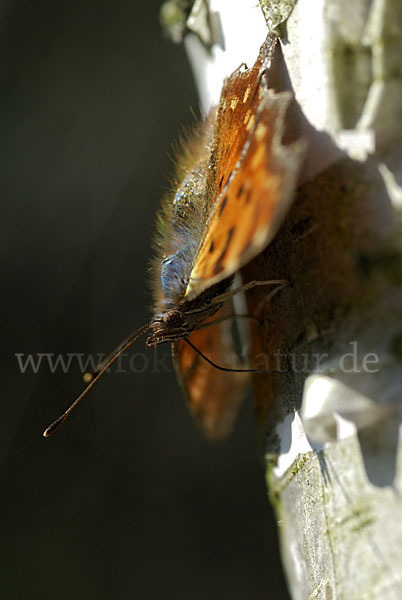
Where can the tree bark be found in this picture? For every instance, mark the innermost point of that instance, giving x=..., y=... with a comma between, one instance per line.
x=332, y=427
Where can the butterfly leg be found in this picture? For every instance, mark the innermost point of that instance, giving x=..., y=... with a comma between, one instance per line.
x=246, y=287
x=227, y=369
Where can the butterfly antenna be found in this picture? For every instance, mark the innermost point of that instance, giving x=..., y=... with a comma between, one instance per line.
x=227, y=369
x=92, y=378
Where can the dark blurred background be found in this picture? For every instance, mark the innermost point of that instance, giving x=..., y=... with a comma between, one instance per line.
x=127, y=500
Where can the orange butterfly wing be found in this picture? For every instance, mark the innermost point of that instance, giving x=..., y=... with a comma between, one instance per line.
x=250, y=209
x=213, y=396
x=240, y=97
x=254, y=177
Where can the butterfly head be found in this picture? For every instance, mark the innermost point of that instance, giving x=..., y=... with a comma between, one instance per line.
x=175, y=324
x=178, y=322
x=169, y=326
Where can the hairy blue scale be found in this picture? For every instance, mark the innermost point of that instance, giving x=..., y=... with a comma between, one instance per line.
x=187, y=222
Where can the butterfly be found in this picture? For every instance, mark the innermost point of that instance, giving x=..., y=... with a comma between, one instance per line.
x=237, y=181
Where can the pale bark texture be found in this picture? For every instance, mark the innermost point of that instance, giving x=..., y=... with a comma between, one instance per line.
x=337, y=491
x=332, y=431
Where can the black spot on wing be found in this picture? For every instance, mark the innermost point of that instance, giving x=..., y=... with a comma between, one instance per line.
x=222, y=206
x=211, y=246
x=218, y=266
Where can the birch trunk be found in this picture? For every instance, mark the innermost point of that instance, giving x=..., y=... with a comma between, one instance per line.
x=332, y=443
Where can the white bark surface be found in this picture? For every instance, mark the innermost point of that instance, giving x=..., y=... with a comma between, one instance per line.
x=334, y=459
